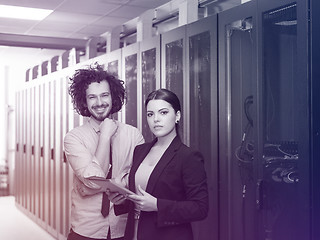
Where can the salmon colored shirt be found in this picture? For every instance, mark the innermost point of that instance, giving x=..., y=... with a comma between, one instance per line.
x=80, y=145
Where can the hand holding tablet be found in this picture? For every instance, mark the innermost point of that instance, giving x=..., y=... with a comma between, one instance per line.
x=111, y=185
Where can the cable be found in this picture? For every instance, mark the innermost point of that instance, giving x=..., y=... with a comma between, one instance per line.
x=247, y=102
x=244, y=154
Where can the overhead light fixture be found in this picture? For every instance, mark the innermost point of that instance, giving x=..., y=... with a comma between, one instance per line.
x=7, y=11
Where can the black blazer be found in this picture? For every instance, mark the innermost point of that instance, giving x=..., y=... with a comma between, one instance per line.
x=179, y=183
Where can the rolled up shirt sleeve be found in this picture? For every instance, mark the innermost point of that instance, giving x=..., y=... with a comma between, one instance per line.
x=81, y=159
x=129, y=137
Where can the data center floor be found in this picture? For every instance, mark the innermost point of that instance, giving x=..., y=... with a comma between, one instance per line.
x=14, y=225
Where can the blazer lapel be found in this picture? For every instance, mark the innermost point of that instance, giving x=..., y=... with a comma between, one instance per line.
x=137, y=161
x=164, y=160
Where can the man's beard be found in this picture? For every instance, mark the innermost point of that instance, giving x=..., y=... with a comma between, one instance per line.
x=100, y=116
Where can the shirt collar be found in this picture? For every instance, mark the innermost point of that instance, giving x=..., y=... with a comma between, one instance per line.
x=94, y=125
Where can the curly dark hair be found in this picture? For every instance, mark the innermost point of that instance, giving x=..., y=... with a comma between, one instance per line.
x=82, y=78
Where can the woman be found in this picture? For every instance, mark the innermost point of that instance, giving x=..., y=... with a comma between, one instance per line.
x=167, y=176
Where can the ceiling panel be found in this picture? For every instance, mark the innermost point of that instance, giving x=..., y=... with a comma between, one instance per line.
x=59, y=26
x=17, y=24
x=95, y=7
x=93, y=29
x=147, y=4
x=59, y=16
x=12, y=30
x=128, y=11
x=49, y=4
x=54, y=33
x=111, y=21
x=72, y=18
x=77, y=19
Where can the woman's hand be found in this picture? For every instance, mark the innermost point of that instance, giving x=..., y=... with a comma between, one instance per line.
x=115, y=197
x=145, y=201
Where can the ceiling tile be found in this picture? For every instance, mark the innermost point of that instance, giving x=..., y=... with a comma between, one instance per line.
x=111, y=21
x=78, y=35
x=95, y=7
x=52, y=4
x=94, y=30
x=12, y=30
x=17, y=23
x=147, y=3
x=128, y=11
x=67, y=17
x=116, y=1
x=50, y=33
x=49, y=26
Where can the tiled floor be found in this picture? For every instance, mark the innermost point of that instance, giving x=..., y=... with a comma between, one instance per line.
x=14, y=225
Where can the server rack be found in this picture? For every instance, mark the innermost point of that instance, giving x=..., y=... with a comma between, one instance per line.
x=113, y=65
x=131, y=76
x=314, y=58
x=237, y=75
x=264, y=81
x=221, y=67
x=150, y=77
x=201, y=114
x=173, y=68
x=283, y=130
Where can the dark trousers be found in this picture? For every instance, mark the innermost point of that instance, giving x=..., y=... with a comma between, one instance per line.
x=75, y=236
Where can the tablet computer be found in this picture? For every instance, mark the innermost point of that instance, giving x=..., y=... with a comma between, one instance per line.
x=111, y=185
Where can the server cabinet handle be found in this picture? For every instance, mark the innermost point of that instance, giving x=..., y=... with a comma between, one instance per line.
x=41, y=151
x=52, y=153
x=64, y=157
x=259, y=194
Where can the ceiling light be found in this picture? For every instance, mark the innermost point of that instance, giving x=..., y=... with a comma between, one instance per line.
x=7, y=11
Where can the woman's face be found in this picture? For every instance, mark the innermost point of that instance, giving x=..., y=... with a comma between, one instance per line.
x=162, y=118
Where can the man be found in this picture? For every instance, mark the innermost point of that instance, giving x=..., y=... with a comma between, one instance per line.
x=90, y=148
